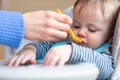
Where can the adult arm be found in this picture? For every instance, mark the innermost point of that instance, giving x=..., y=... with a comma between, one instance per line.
x=38, y=26
x=11, y=28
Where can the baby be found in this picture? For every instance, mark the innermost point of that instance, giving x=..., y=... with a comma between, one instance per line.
x=93, y=22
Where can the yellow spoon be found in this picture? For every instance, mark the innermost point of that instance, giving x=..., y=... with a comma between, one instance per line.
x=70, y=32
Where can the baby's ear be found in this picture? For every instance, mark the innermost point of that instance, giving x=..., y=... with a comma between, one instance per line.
x=110, y=40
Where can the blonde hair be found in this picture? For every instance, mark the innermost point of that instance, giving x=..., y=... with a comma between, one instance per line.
x=109, y=8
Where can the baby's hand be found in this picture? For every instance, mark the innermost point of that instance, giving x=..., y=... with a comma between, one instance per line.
x=26, y=54
x=58, y=55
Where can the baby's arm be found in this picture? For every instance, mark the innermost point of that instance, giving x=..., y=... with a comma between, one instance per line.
x=31, y=52
x=42, y=48
x=26, y=54
x=103, y=60
x=58, y=54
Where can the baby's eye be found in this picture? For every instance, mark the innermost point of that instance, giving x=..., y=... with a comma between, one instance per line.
x=76, y=26
x=92, y=30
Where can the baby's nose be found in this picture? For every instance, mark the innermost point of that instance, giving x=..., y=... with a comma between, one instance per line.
x=81, y=33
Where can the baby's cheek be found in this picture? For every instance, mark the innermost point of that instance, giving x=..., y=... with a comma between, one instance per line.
x=93, y=44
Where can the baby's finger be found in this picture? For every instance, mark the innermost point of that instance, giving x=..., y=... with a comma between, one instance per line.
x=47, y=59
x=11, y=61
x=28, y=57
x=61, y=62
x=54, y=60
x=32, y=61
x=18, y=60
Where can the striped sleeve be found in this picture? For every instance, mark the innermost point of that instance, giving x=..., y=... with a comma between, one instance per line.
x=41, y=48
x=103, y=60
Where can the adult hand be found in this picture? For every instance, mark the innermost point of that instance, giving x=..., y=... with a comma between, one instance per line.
x=46, y=25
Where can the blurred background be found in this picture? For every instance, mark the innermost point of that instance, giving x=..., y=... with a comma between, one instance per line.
x=28, y=6
x=32, y=5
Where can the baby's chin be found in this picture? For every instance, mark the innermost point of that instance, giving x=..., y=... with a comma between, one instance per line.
x=83, y=44
x=87, y=45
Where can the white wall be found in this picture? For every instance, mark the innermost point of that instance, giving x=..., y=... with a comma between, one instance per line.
x=32, y=5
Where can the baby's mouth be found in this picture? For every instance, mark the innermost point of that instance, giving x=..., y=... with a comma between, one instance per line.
x=83, y=44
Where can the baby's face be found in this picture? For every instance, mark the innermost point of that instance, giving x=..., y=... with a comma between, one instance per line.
x=91, y=27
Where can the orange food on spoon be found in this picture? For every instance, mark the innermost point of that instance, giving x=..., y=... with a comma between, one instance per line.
x=70, y=32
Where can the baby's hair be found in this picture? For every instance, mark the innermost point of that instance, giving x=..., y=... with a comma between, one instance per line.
x=109, y=8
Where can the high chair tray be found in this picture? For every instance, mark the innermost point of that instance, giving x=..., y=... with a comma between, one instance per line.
x=83, y=71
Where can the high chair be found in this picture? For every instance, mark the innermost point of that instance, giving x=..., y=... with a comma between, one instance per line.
x=116, y=50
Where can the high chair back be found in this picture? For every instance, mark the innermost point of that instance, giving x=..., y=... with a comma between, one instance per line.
x=116, y=41
x=116, y=50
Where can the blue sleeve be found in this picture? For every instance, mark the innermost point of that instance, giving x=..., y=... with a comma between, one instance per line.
x=104, y=60
x=41, y=48
x=11, y=28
